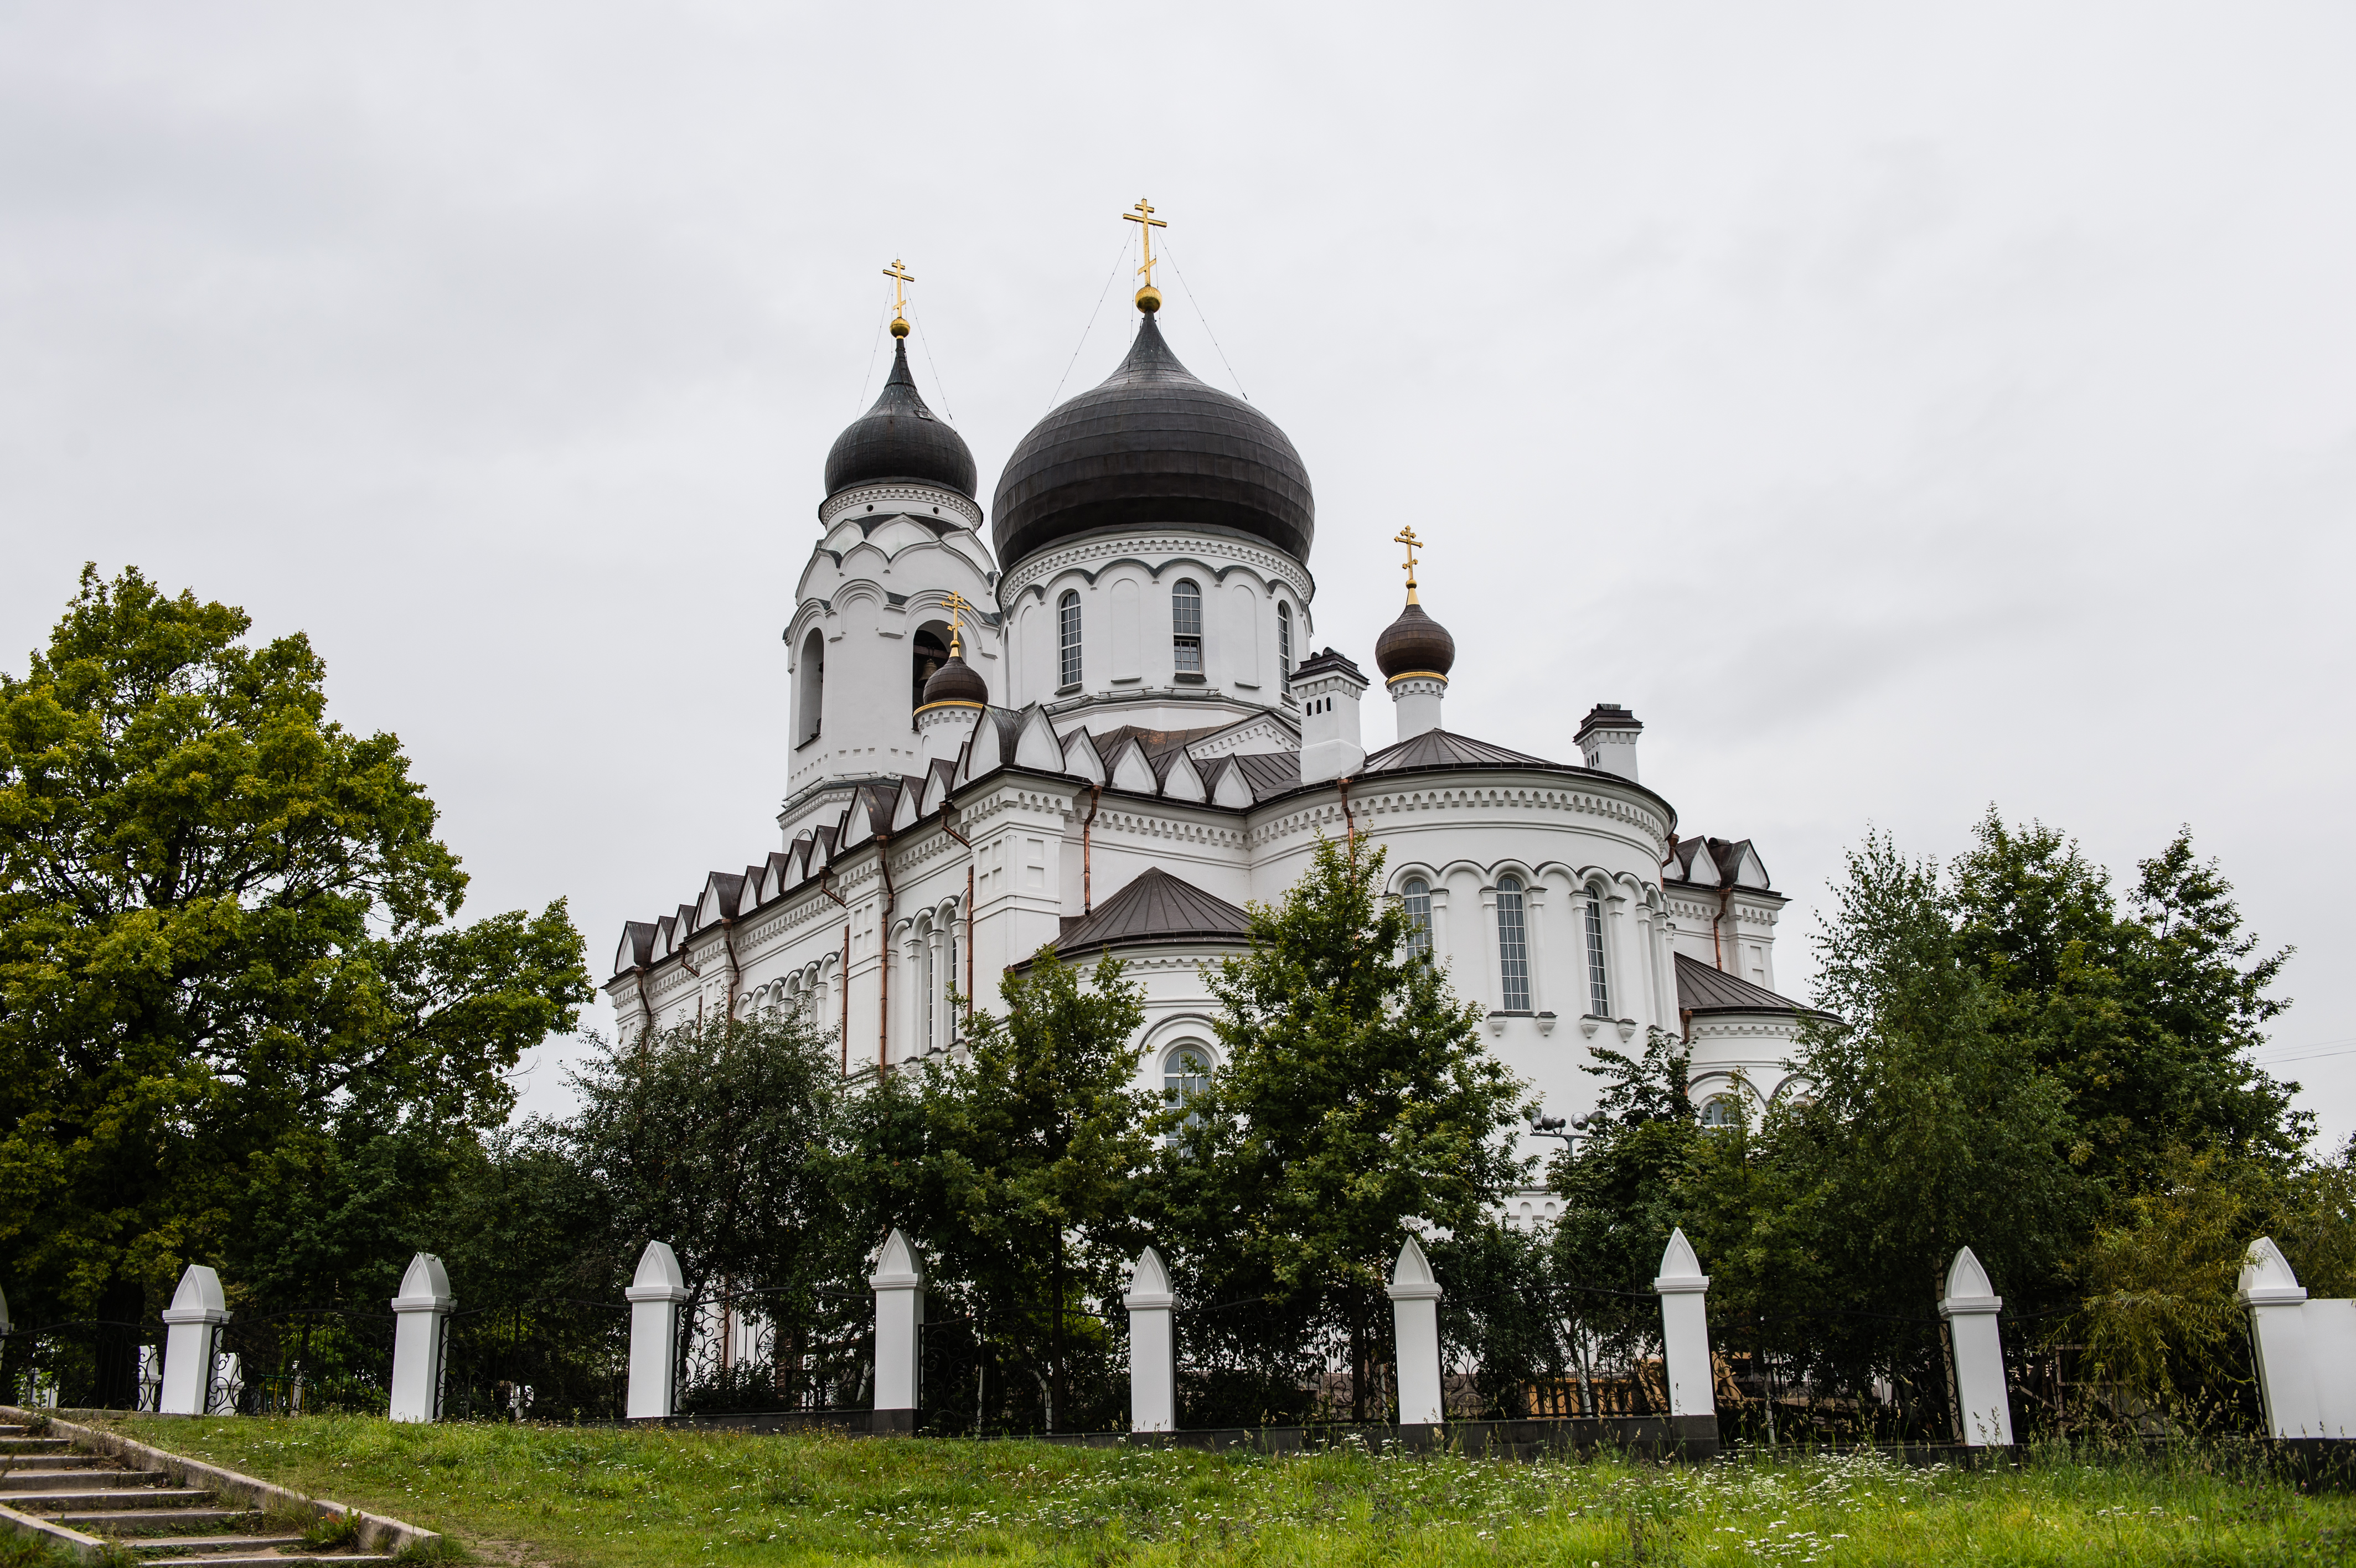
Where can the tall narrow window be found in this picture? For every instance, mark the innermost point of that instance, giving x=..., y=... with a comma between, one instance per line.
x=810, y=687
x=924, y=989
x=1284, y=647
x=1185, y=1074
x=1187, y=626
x=1068, y=639
x=1599, y=988
x=1418, y=916
x=1513, y=946
x=949, y=983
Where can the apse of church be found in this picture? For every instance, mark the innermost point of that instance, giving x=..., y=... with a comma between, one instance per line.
x=1095, y=718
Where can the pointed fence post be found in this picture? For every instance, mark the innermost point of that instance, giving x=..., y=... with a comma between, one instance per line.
x=1153, y=1346
x=654, y=1296
x=420, y=1313
x=196, y=1315
x=1685, y=1345
x=1415, y=1308
x=2277, y=1307
x=1970, y=1304
x=899, y=1285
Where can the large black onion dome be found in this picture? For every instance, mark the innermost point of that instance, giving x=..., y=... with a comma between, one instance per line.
x=1153, y=445
x=1415, y=644
x=900, y=439
x=956, y=681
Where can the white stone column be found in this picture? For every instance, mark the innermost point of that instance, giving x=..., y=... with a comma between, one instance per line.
x=899, y=1285
x=655, y=1295
x=420, y=1313
x=1153, y=1346
x=1415, y=1306
x=196, y=1315
x=2277, y=1303
x=1969, y=1304
x=1684, y=1332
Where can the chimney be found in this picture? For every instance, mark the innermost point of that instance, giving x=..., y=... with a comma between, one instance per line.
x=1329, y=686
x=1607, y=739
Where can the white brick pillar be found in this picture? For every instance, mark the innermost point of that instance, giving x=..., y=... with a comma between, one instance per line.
x=654, y=1296
x=1153, y=1346
x=899, y=1285
x=1684, y=1341
x=420, y=1313
x=2277, y=1303
x=194, y=1317
x=1415, y=1307
x=1970, y=1304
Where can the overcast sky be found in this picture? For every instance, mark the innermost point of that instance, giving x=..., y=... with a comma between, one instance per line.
x=1902, y=409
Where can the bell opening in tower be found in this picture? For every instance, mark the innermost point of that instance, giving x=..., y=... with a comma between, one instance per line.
x=930, y=652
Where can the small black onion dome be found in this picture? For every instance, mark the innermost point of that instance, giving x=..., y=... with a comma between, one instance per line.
x=900, y=439
x=956, y=681
x=1415, y=644
x=1152, y=446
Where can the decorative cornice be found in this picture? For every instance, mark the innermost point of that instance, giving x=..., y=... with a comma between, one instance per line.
x=1204, y=548
x=888, y=495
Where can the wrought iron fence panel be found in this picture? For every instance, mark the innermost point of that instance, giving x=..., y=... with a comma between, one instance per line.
x=556, y=1360
x=1834, y=1376
x=83, y=1364
x=790, y=1349
x=312, y=1361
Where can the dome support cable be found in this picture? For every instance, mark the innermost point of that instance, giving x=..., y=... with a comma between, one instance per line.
x=871, y=353
x=940, y=386
x=1171, y=256
x=1119, y=257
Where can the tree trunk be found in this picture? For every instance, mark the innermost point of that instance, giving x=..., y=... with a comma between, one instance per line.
x=1055, y=1339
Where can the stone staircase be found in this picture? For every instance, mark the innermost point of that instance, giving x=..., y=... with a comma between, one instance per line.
x=103, y=1500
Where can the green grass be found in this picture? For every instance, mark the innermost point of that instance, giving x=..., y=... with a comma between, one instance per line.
x=567, y=1496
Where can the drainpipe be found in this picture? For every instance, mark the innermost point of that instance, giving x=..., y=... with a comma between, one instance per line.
x=1088, y=890
x=843, y=1024
x=1725, y=901
x=969, y=912
x=884, y=955
x=1349, y=822
x=735, y=976
x=646, y=1003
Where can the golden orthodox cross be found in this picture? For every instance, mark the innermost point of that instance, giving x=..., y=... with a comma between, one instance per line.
x=957, y=607
x=1406, y=536
x=901, y=278
x=1143, y=217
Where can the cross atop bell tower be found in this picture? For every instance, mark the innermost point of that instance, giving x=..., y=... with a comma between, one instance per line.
x=1149, y=298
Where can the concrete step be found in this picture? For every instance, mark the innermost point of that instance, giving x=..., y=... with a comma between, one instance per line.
x=47, y=1479
x=237, y=1559
x=35, y=1445
x=127, y=1522
x=145, y=1498
x=14, y=1462
x=176, y=1545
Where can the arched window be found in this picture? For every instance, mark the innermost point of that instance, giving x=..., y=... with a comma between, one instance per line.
x=1721, y=1111
x=1599, y=985
x=925, y=990
x=1185, y=1074
x=1284, y=647
x=811, y=687
x=1067, y=638
x=1513, y=946
x=950, y=982
x=1187, y=626
x=1417, y=899
x=929, y=650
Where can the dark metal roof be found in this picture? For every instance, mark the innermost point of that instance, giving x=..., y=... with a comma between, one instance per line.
x=1702, y=990
x=1414, y=642
x=1606, y=716
x=1327, y=660
x=1156, y=908
x=1152, y=446
x=1269, y=772
x=1155, y=742
x=900, y=439
x=1440, y=749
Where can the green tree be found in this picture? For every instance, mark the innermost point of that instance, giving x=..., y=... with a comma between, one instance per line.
x=1039, y=1136
x=1355, y=1100
x=226, y=956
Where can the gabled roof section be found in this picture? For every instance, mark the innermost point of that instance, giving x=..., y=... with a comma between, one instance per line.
x=1156, y=908
x=1082, y=758
x=637, y=946
x=1181, y=780
x=1740, y=863
x=1702, y=990
x=1157, y=742
x=1269, y=772
x=1131, y=769
x=1694, y=863
x=1442, y=749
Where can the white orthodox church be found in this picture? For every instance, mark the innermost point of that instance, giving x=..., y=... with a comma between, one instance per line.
x=1107, y=726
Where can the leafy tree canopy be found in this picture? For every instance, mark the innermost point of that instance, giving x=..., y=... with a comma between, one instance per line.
x=226, y=932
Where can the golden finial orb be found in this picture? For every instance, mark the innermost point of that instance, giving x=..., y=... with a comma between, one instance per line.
x=899, y=326
x=1148, y=299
